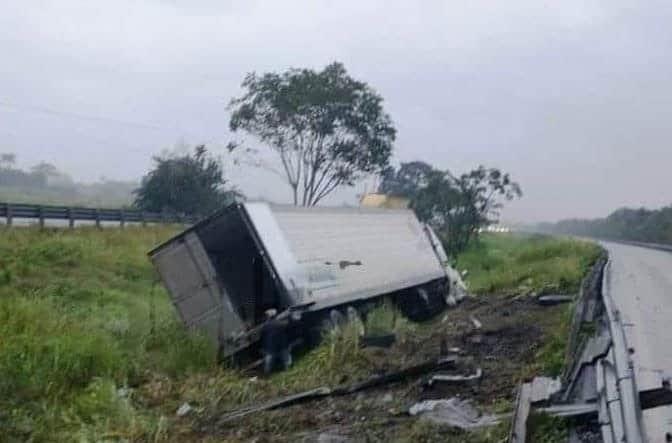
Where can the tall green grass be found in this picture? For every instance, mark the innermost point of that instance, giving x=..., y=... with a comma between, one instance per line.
x=521, y=264
x=86, y=332
x=81, y=317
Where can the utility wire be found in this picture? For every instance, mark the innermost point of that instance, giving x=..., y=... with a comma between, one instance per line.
x=88, y=117
x=49, y=111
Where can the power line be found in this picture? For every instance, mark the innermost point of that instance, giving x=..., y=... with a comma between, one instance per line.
x=50, y=111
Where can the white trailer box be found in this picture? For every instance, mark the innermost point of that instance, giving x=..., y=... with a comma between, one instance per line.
x=224, y=272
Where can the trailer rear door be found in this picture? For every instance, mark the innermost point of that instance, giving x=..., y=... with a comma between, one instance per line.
x=191, y=280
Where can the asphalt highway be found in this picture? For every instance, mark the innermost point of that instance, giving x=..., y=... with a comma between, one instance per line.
x=639, y=281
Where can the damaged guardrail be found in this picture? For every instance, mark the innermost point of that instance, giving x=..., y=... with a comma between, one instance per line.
x=598, y=380
x=622, y=377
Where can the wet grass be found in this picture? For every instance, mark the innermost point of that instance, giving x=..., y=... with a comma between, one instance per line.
x=91, y=348
x=81, y=318
x=518, y=264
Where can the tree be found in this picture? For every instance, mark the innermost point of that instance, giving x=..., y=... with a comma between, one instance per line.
x=641, y=224
x=407, y=180
x=455, y=206
x=187, y=184
x=328, y=129
x=7, y=159
x=47, y=174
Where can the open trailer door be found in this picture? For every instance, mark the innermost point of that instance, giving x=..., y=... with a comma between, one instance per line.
x=192, y=283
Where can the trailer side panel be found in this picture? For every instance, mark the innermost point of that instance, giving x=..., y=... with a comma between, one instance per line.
x=353, y=253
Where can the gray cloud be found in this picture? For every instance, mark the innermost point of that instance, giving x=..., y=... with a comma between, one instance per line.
x=573, y=98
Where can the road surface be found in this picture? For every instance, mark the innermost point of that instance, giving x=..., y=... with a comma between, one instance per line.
x=639, y=281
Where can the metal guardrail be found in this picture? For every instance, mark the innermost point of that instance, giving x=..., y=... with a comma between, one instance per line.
x=624, y=410
x=12, y=211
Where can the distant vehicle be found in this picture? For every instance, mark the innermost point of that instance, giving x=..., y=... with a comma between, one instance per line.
x=226, y=271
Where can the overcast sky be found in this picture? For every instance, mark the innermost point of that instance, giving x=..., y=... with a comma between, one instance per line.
x=574, y=98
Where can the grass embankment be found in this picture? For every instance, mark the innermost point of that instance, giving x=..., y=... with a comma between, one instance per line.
x=518, y=264
x=80, y=320
x=90, y=349
x=515, y=265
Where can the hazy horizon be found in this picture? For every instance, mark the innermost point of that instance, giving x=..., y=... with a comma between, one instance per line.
x=572, y=99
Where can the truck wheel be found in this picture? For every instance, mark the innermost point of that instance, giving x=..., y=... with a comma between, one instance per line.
x=420, y=303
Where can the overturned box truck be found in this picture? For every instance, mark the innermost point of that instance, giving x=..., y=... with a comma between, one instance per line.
x=227, y=270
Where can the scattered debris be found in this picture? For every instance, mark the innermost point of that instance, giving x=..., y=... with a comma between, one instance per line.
x=325, y=391
x=454, y=412
x=521, y=412
x=543, y=388
x=387, y=398
x=474, y=321
x=539, y=391
x=184, y=409
x=458, y=288
x=278, y=403
x=327, y=437
x=553, y=299
x=570, y=410
x=411, y=371
x=507, y=346
x=443, y=378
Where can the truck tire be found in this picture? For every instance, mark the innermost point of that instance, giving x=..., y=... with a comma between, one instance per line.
x=421, y=303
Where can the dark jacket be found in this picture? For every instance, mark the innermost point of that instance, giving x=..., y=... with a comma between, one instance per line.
x=274, y=336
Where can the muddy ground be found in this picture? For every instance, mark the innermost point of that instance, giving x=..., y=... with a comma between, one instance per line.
x=506, y=348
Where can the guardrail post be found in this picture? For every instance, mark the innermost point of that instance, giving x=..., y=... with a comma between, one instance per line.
x=71, y=219
x=9, y=214
x=40, y=215
x=97, y=218
x=122, y=218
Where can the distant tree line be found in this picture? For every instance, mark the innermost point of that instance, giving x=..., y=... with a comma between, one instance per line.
x=39, y=176
x=44, y=183
x=645, y=225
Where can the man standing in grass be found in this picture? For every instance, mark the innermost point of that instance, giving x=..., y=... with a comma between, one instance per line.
x=275, y=342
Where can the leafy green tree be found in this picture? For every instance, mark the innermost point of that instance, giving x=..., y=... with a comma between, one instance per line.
x=456, y=206
x=328, y=129
x=407, y=180
x=191, y=184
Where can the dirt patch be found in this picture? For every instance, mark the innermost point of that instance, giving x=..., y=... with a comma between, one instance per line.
x=512, y=332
